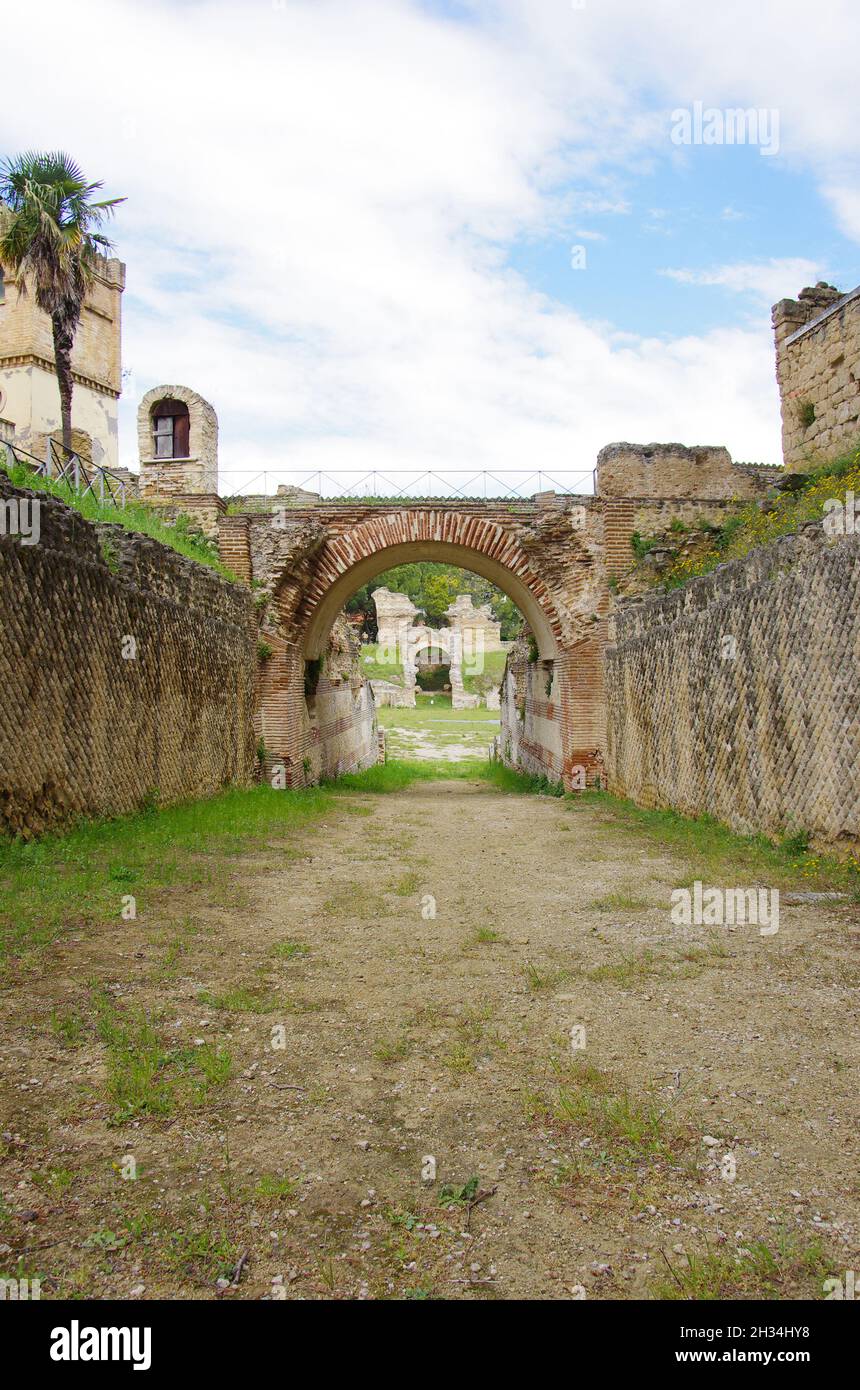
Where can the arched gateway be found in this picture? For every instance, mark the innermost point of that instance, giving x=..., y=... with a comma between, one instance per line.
x=554, y=555
x=307, y=561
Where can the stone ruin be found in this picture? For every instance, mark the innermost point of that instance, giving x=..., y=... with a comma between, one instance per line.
x=471, y=632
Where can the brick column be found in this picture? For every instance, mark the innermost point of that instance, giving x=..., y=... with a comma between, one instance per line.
x=234, y=546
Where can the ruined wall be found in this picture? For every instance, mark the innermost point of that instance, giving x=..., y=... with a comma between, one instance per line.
x=531, y=735
x=552, y=714
x=555, y=555
x=817, y=340
x=85, y=730
x=673, y=471
x=736, y=696
x=341, y=710
x=315, y=719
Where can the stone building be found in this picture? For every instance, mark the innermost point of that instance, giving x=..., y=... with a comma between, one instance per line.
x=478, y=628
x=29, y=394
x=817, y=339
x=177, y=440
x=471, y=632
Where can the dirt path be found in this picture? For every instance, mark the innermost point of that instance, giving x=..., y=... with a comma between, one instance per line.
x=409, y=1035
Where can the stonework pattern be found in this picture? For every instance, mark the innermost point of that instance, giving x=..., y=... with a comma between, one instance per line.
x=736, y=696
x=87, y=731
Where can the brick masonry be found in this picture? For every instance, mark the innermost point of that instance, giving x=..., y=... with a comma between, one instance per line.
x=87, y=731
x=766, y=739
x=554, y=555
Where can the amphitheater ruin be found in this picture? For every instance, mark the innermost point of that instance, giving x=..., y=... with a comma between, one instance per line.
x=577, y=707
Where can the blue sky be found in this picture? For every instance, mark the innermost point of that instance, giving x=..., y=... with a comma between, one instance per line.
x=349, y=222
x=725, y=206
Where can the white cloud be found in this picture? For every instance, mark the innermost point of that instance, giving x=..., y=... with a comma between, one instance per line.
x=766, y=280
x=322, y=196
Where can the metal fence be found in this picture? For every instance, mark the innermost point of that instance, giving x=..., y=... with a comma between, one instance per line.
x=401, y=484
x=61, y=465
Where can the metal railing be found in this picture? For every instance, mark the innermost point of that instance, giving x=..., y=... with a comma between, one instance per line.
x=428, y=485
x=62, y=465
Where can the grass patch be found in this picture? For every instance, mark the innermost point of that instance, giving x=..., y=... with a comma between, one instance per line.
x=393, y=1049
x=290, y=950
x=623, y=1130
x=62, y=882
x=240, y=1000
x=406, y=886
x=396, y=775
x=69, y=1027
x=719, y=855
x=538, y=980
x=505, y=779
x=143, y=1077
x=373, y=669
x=786, y=1269
x=276, y=1189
x=622, y=899
x=134, y=516
x=684, y=964
x=788, y=511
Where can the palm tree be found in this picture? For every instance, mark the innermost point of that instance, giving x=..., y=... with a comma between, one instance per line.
x=49, y=236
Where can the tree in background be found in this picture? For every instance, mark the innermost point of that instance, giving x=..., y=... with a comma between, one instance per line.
x=432, y=587
x=50, y=241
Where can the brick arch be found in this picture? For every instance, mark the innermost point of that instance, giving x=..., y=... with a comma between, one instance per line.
x=311, y=594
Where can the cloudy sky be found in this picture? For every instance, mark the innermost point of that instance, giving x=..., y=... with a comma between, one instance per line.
x=433, y=234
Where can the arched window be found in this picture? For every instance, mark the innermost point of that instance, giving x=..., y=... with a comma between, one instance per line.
x=171, y=429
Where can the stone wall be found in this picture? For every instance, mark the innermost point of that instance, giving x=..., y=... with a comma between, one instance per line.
x=736, y=696
x=674, y=471
x=818, y=370
x=127, y=673
x=556, y=557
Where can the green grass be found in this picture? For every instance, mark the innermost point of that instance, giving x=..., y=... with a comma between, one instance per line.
x=683, y=964
x=625, y=1129
x=393, y=1049
x=538, y=980
x=395, y=776
x=491, y=676
x=622, y=899
x=716, y=853
x=273, y=1188
x=375, y=670
x=144, y=1077
x=425, y=715
x=786, y=1268
x=751, y=526
x=240, y=1000
x=505, y=779
x=290, y=950
x=134, y=516
x=60, y=883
